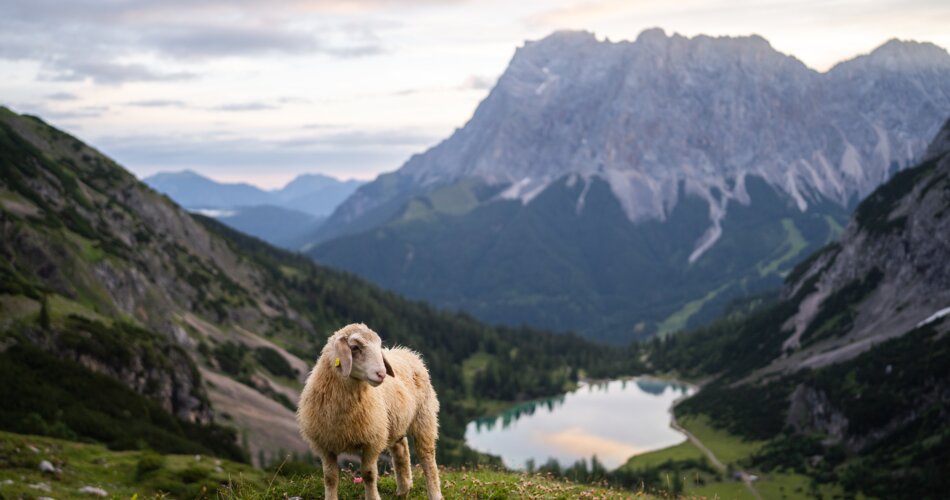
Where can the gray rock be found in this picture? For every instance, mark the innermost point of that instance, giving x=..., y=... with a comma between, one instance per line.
x=41, y=487
x=94, y=491
x=46, y=466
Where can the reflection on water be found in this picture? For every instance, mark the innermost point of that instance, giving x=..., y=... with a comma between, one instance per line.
x=613, y=420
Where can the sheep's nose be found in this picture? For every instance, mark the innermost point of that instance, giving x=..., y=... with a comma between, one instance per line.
x=381, y=374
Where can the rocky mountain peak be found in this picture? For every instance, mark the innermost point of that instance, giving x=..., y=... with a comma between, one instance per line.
x=666, y=111
x=900, y=55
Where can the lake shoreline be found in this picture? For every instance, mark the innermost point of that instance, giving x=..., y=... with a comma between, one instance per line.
x=576, y=424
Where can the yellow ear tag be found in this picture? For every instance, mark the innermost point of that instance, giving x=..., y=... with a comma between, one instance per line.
x=337, y=361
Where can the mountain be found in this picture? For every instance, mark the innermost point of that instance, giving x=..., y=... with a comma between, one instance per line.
x=284, y=217
x=316, y=194
x=631, y=188
x=127, y=320
x=845, y=376
x=278, y=226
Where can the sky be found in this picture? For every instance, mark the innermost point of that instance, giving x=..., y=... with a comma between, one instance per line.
x=262, y=90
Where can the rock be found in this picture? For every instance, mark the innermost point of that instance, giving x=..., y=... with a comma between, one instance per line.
x=45, y=498
x=92, y=490
x=41, y=487
x=34, y=449
x=8, y=481
x=47, y=467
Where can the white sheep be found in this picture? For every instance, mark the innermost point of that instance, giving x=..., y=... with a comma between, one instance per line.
x=349, y=405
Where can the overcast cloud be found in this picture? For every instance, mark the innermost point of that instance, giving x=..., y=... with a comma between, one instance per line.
x=348, y=87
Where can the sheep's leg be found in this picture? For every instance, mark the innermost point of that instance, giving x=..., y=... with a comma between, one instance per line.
x=331, y=475
x=370, y=473
x=402, y=467
x=425, y=430
x=426, y=452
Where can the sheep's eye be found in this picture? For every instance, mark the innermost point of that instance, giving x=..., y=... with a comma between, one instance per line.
x=355, y=349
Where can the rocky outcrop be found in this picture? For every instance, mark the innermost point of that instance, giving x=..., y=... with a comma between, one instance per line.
x=888, y=270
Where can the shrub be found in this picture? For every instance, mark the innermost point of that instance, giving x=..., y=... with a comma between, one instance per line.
x=148, y=462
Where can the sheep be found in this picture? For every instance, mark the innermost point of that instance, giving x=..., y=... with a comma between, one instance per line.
x=349, y=404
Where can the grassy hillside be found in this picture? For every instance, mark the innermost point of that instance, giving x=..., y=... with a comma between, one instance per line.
x=146, y=474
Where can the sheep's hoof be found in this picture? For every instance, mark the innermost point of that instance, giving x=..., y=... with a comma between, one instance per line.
x=403, y=491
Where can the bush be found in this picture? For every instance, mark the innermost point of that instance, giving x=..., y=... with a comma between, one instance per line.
x=148, y=462
x=273, y=362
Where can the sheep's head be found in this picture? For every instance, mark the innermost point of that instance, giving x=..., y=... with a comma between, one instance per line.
x=357, y=352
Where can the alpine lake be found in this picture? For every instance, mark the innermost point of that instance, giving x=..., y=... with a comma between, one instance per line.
x=612, y=420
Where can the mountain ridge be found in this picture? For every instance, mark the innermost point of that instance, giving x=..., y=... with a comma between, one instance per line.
x=314, y=194
x=844, y=376
x=651, y=43
x=674, y=127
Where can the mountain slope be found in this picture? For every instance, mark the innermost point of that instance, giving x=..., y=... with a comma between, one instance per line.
x=278, y=226
x=193, y=190
x=637, y=187
x=98, y=269
x=846, y=375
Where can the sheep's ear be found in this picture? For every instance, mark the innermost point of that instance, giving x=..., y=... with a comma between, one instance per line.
x=389, y=367
x=344, y=357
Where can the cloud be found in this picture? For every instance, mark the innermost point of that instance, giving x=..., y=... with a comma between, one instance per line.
x=346, y=153
x=157, y=103
x=106, y=42
x=55, y=114
x=243, y=106
x=108, y=73
x=475, y=82
x=62, y=96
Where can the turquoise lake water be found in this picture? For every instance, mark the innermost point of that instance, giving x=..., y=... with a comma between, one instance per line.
x=612, y=420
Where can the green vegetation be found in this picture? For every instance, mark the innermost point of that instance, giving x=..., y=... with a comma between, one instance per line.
x=889, y=389
x=793, y=246
x=677, y=321
x=273, y=362
x=61, y=398
x=728, y=447
x=507, y=364
x=680, y=452
x=592, y=271
x=145, y=474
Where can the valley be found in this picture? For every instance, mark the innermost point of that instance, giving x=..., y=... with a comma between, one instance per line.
x=669, y=267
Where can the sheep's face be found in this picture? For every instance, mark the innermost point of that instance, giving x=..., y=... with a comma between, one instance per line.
x=359, y=355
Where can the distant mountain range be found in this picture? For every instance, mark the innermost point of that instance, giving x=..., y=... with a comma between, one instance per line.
x=284, y=217
x=632, y=188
